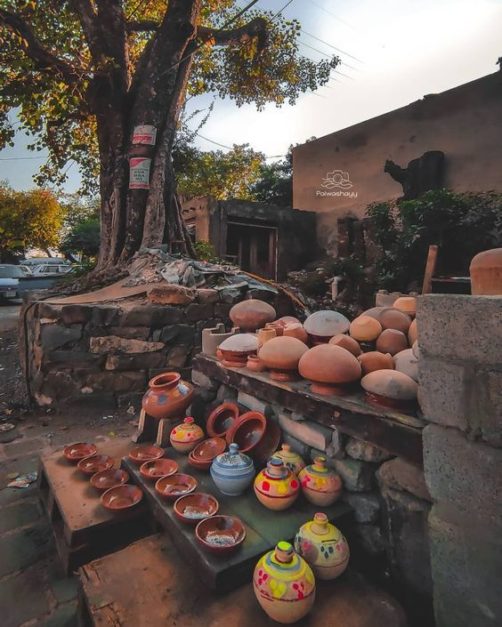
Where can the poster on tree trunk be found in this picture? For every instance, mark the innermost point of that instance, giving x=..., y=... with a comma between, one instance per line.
x=139, y=173
x=145, y=134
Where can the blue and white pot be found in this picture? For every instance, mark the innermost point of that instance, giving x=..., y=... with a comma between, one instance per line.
x=232, y=471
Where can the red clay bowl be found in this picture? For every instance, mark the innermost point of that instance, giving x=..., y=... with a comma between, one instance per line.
x=157, y=468
x=95, y=463
x=193, y=508
x=175, y=486
x=121, y=497
x=208, y=449
x=145, y=453
x=220, y=534
x=200, y=465
x=106, y=479
x=247, y=431
x=221, y=419
x=79, y=450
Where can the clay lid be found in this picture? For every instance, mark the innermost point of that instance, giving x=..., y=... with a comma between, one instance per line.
x=390, y=384
x=491, y=258
x=233, y=460
x=326, y=323
x=374, y=312
x=240, y=343
x=282, y=352
x=252, y=314
x=406, y=304
x=346, y=342
x=413, y=332
x=365, y=328
x=394, y=319
x=391, y=341
x=329, y=364
x=374, y=360
x=406, y=362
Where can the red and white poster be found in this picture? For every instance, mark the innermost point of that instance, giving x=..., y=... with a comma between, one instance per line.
x=139, y=173
x=145, y=134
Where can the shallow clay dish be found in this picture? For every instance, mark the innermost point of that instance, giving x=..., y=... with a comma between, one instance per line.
x=220, y=534
x=157, y=468
x=221, y=419
x=121, y=497
x=175, y=486
x=79, y=450
x=203, y=454
x=95, y=463
x=145, y=453
x=106, y=479
x=193, y=508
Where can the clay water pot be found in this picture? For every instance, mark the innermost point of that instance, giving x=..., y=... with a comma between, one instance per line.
x=295, y=329
x=346, y=342
x=284, y=584
x=390, y=388
x=407, y=362
x=406, y=304
x=186, y=436
x=232, y=471
x=391, y=341
x=323, y=325
x=394, y=319
x=290, y=459
x=413, y=332
x=329, y=368
x=252, y=314
x=276, y=487
x=365, y=329
x=323, y=546
x=320, y=485
x=221, y=419
x=486, y=273
x=255, y=435
x=167, y=396
x=281, y=356
x=236, y=349
x=265, y=334
x=374, y=360
x=255, y=364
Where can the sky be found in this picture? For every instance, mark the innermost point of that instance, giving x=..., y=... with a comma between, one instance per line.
x=394, y=53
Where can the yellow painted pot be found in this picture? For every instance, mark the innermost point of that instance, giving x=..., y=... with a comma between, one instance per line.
x=276, y=486
x=290, y=459
x=186, y=436
x=320, y=485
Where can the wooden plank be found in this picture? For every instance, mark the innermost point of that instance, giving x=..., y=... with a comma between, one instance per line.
x=430, y=268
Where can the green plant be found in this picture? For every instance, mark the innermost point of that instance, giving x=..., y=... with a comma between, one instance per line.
x=205, y=251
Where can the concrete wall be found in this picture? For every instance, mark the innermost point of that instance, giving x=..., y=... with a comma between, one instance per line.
x=464, y=122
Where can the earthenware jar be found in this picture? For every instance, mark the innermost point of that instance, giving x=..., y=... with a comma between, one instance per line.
x=330, y=368
x=406, y=362
x=281, y=356
x=295, y=329
x=186, y=436
x=167, y=396
x=390, y=388
x=486, y=273
x=255, y=364
x=406, y=304
x=284, y=584
x=323, y=325
x=276, y=487
x=290, y=459
x=394, y=319
x=320, y=485
x=323, y=546
x=374, y=360
x=365, y=329
x=265, y=334
x=236, y=349
x=346, y=342
x=391, y=341
x=252, y=314
x=232, y=472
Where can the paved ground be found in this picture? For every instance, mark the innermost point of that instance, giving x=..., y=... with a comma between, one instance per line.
x=9, y=313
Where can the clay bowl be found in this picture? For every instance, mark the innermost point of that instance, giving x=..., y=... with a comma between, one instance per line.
x=193, y=508
x=106, y=479
x=255, y=435
x=175, y=486
x=80, y=450
x=95, y=463
x=203, y=454
x=157, y=468
x=220, y=534
x=121, y=497
x=221, y=419
x=145, y=453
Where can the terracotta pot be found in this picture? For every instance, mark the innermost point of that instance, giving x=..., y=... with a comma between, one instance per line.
x=346, y=342
x=374, y=312
x=365, y=329
x=95, y=463
x=236, y=349
x=106, y=479
x=255, y=364
x=157, y=468
x=220, y=534
x=374, y=360
x=221, y=419
x=406, y=362
x=281, y=356
x=186, y=436
x=329, y=367
x=323, y=547
x=204, y=453
x=277, y=327
x=290, y=459
x=232, y=472
x=252, y=314
x=167, y=396
x=265, y=334
x=255, y=435
x=295, y=329
x=176, y=485
x=413, y=332
x=391, y=341
x=276, y=487
x=285, y=320
x=320, y=485
x=406, y=304
x=145, y=453
x=284, y=584
x=323, y=325
x=486, y=273
x=394, y=319
x=193, y=508
x=390, y=388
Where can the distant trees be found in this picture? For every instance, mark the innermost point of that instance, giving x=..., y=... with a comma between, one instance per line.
x=81, y=230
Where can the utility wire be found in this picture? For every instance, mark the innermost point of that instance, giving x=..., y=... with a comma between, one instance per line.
x=281, y=10
x=327, y=55
x=334, y=48
x=21, y=158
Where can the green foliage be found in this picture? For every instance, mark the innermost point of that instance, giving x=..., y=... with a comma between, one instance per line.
x=205, y=251
x=275, y=183
x=81, y=230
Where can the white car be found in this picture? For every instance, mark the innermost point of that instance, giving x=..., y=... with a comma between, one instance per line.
x=9, y=280
x=51, y=268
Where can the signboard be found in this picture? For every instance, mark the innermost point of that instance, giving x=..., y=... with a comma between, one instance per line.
x=145, y=134
x=139, y=173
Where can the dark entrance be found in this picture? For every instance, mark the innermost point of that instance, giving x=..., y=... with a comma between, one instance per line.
x=253, y=247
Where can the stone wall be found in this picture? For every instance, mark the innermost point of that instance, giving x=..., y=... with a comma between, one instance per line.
x=461, y=397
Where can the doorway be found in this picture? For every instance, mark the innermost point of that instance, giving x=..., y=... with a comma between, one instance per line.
x=253, y=247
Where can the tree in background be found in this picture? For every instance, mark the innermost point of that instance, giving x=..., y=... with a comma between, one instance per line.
x=275, y=182
x=81, y=232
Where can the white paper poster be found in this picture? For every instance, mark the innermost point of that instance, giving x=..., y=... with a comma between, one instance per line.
x=139, y=173
x=145, y=134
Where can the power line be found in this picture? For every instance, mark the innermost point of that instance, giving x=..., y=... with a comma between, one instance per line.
x=211, y=141
x=281, y=10
x=21, y=158
x=334, y=48
x=333, y=15
x=326, y=55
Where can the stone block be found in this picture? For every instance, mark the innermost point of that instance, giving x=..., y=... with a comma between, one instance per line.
x=364, y=451
x=170, y=294
x=105, y=315
x=75, y=314
x=74, y=359
x=483, y=404
x=23, y=548
x=65, y=615
x=310, y=433
x=226, y=393
x=151, y=316
x=136, y=361
x=221, y=311
x=402, y=475
x=131, y=333
x=251, y=402
x=207, y=296
x=19, y=515
x=203, y=381
x=366, y=506
x=357, y=476
x=46, y=310
x=55, y=336
x=299, y=447
x=178, y=356
x=179, y=333
x=370, y=539
x=122, y=381
x=23, y=598
x=231, y=295
x=195, y=312
x=113, y=344
x=58, y=385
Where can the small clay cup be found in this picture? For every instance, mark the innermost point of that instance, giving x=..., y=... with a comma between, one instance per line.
x=106, y=479
x=80, y=450
x=220, y=534
x=193, y=508
x=121, y=497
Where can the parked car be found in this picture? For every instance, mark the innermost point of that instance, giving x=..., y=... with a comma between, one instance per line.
x=9, y=280
x=51, y=268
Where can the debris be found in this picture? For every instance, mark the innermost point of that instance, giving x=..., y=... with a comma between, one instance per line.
x=23, y=481
x=112, y=434
x=107, y=417
x=131, y=411
x=12, y=475
x=6, y=426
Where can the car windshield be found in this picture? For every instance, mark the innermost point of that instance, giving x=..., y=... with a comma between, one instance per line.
x=11, y=272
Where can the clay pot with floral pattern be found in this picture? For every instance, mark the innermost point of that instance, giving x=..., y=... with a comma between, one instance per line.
x=320, y=485
x=186, y=436
x=276, y=487
x=290, y=459
x=167, y=396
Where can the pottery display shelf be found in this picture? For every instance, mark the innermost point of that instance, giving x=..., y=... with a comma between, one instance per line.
x=264, y=528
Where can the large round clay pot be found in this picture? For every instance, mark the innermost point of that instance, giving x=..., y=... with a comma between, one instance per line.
x=236, y=349
x=486, y=273
x=221, y=419
x=295, y=329
x=320, y=485
x=374, y=312
x=290, y=459
x=281, y=356
x=394, y=319
x=251, y=314
x=167, y=396
x=329, y=368
x=276, y=487
x=323, y=325
x=413, y=332
x=390, y=388
x=374, y=360
x=406, y=362
x=406, y=304
x=391, y=341
x=255, y=435
x=284, y=584
x=232, y=472
x=186, y=436
x=365, y=329
x=323, y=546
x=346, y=342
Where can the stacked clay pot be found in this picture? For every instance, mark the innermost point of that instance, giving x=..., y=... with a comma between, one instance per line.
x=329, y=367
x=320, y=485
x=290, y=459
x=276, y=487
x=346, y=342
x=186, y=436
x=251, y=314
x=281, y=356
x=235, y=350
x=323, y=325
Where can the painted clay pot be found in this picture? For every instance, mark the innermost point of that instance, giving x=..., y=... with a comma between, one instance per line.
x=391, y=341
x=221, y=419
x=407, y=362
x=255, y=364
x=374, y=360
x=320, y=485
x=390, y=388
x=255, y=435
x=281, y=356
x=329, y=367
x=323, y=325
x=290, y=459
x=323, y=546
x=486, y=273
x=276, y=487
x=394, y=319
x=284, y=584
x=365, y=329
x=265, y=334
x=295, y=329
x=252, y=314
x=413, y=332
x=406, y=304
x=232, y=472
x=236, y=349
x=186, y=436
x=167, y=396
x=346, y=342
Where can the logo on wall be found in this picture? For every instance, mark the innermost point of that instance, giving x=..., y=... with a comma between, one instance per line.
x=338, y=183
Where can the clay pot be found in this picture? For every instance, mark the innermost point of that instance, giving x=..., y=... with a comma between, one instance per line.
x=281, y=356
x=186, y=436
x=390, y=388
x=235, y=350
x=374, y=312
x=221, y=419
x=255, y=435
x=486, y=273
x=323, y=325
x=232, y=472
x=295, y=329
x=167, y=396
x=284, y=584
x=220, y=534
x=193, y=508
x=346, y=342
x=329, y=367
x=413, y=332
x=320, y=485
x=204, y=453
x=374, y=360
x=406, y=304
x=406, y=362
x=265, y=334
x=365, y=329
x=323, y=547
x=290, y=459
x=394, y=319
x=285, y=320
x=276, y=487
x=277, y=327
x=252, y=314
x=121, y=497
x=391, y=341
x=75, y=452
x=212, y=338
x=255, y=364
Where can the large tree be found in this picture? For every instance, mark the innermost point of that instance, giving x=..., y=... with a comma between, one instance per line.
x=83, y=74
